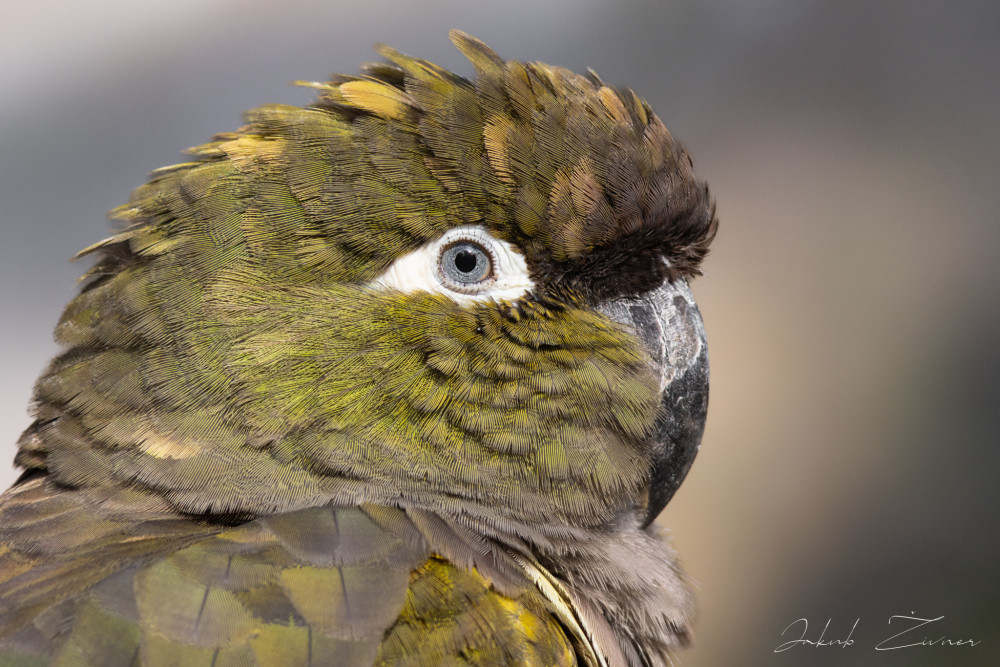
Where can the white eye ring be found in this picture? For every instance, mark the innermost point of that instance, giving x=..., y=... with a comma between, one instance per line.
x=467, y=263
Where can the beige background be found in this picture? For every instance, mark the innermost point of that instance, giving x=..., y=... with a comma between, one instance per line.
x=850, y=462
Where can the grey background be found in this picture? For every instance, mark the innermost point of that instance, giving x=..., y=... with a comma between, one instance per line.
x=849, y=466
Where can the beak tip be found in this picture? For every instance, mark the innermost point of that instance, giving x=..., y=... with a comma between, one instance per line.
x=677, y=435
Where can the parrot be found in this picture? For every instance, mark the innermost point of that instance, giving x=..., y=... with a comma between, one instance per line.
x=401, y=377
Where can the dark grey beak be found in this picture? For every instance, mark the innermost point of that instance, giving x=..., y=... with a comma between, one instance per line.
x=667, y=321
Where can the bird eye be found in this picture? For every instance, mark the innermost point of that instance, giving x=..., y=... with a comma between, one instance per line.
x=465, y=264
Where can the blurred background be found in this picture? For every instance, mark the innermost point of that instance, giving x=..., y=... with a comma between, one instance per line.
x=852, y=297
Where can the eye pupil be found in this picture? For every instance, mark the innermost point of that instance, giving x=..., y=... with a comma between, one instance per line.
x=465, y=261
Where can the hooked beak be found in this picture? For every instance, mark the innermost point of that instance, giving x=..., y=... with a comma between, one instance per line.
x=667, y=321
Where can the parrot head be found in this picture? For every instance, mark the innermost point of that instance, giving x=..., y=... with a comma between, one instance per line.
x=467, y=295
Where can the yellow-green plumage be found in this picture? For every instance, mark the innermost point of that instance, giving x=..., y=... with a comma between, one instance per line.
x=252, y=453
